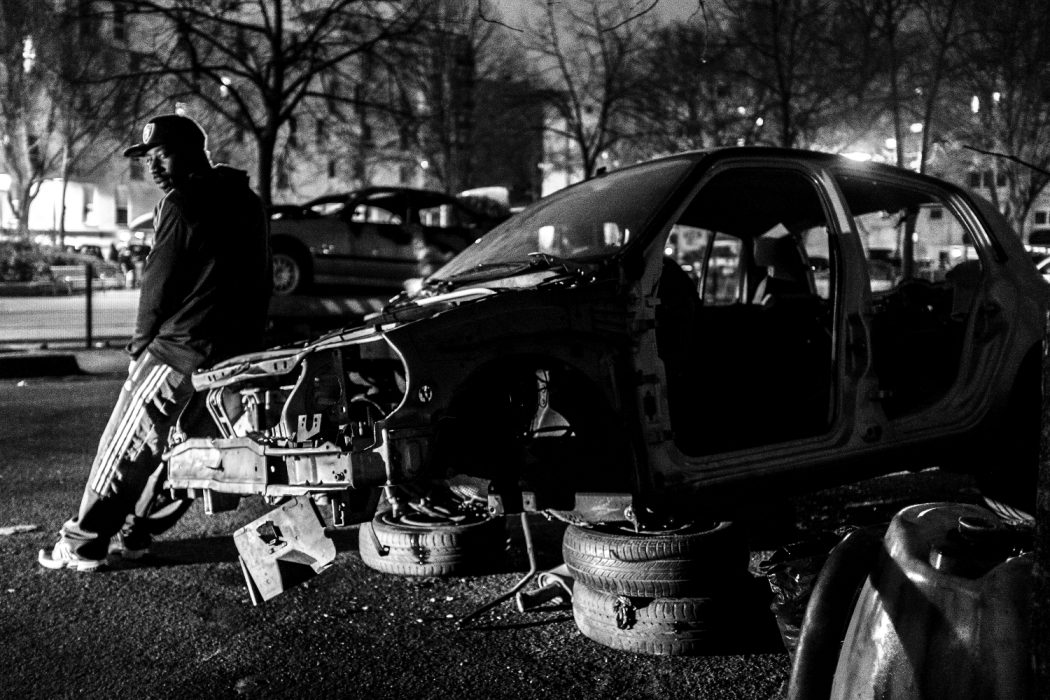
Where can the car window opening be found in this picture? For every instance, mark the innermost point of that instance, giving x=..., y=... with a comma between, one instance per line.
x=744, y=324
x=924, y=273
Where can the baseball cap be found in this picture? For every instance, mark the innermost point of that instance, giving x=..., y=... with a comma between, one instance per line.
x=172, y=130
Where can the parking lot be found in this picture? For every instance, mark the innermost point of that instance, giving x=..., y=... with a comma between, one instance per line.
x=182, y=624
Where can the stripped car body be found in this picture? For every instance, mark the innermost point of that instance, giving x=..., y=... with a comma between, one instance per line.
x=699, y=332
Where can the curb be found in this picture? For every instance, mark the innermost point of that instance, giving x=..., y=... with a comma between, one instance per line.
x=26, y=364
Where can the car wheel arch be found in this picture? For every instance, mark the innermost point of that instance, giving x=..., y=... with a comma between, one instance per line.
x=479, y=424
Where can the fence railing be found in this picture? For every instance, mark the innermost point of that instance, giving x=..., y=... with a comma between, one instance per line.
x=76, y=306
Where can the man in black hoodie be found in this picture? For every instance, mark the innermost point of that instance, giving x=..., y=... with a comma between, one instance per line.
x=205, y=294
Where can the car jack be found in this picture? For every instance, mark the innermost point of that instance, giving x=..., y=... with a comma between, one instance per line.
x=533, y=569
x=283, y=548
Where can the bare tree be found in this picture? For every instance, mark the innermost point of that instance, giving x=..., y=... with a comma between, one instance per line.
x=25, y=116
x=586, y=54
x=786, y=56
x=885, y=22
x=946, y=28
x=60, y=114
x=1007, y=69
x=692, y=99
x=434, y=77
x=256, y=62
x=903, y=56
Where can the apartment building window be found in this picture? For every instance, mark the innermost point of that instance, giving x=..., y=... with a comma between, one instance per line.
x=86, y=19
x=331, y=168
x=121, y=201
x=986, y=178
x=89, y=207
x=120, y=16
x=320, y=131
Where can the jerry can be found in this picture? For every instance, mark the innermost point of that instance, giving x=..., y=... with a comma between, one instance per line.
x=944, y=611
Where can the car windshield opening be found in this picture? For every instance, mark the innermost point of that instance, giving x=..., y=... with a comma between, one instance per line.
x=587, y=222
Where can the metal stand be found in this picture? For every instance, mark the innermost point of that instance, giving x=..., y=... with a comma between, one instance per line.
x=533, y=568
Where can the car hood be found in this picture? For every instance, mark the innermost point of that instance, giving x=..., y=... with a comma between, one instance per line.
x=283, y=360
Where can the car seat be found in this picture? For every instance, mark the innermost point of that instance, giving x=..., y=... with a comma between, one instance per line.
x=795, y=376
x=787, y=272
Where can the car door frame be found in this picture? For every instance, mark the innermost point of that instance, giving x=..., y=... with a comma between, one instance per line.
x=669, y=476
x=966, y=402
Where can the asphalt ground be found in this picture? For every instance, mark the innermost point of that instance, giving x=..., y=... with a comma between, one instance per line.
x=181, y=624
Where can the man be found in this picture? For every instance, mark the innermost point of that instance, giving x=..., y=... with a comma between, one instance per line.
x=205, y=293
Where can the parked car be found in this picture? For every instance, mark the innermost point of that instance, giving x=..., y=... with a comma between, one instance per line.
x=69, y=271
x=571, y=362
x=1043, y=266
x=92, y=250
x=377, y=237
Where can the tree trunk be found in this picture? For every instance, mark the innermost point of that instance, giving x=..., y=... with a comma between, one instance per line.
x=267, y=143
x=65, y=188
x=23, y=211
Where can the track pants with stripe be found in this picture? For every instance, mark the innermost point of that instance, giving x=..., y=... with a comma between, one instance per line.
x=123, y=493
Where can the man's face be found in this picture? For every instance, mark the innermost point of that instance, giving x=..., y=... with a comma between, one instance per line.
x=166, y=167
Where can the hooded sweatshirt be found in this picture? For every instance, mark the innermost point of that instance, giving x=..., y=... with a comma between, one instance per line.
x=207, y=281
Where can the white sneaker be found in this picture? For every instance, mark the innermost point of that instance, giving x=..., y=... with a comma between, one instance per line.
x=62, y=556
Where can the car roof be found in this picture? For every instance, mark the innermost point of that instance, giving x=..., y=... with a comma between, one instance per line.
x=799, y=155
x=399, y=197
x=861, y=197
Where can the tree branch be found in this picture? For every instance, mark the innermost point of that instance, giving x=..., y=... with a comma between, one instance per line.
x=1007, y=156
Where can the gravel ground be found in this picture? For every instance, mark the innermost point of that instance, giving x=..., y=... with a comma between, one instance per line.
x=181, y=625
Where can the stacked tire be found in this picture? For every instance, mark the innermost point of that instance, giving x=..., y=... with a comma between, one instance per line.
x=665, y=593
x=415, y=544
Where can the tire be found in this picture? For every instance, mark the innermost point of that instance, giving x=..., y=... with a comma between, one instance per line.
x=419, y=548
x=661, y=626
x=657, y=565
x=290, y=275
